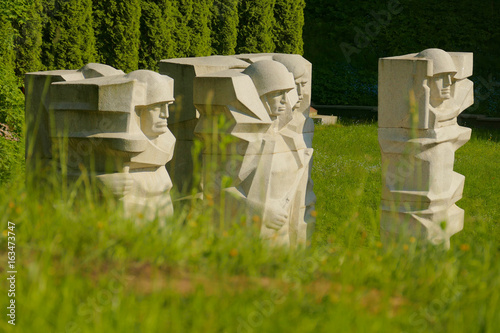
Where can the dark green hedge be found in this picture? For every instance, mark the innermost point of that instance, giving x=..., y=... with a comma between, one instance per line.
x=256, y=22
x=129, y=34
x=117, y=32
x=287, y=31
x=68, y=34
x=156, y=27
x=344, y=39
x=224, y=26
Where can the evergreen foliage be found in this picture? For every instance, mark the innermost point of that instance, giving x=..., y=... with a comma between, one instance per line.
x=289, y=21
x=182, y=11
x=191, y=35
x=256, y=21
x=118, y=32
x=127, y=34
x=11, y=98
x=345, y=39
x=199, y=26
x=224, y=26
x=68, y=40
x=28, y=43
x=157, y=23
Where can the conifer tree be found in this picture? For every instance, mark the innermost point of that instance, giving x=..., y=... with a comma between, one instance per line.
x=224, y=26
x=68, y=40
x=289, y=21
x=256, y=21
x=10, y=96
x=182, y=11
x=199, y=25
x=118, y=32
x=191, y=34
x=29, y=40
x=157, y=23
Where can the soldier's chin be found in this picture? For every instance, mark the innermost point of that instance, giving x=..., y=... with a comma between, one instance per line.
x=160, y=129
x=446, y=94
x=278, y=112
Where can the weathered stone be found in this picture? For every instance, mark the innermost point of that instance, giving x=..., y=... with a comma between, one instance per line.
x=112, y=128
x=261, y=172
x=37, y=90
x=420, y=97
x=183, y=114
x=301, y=121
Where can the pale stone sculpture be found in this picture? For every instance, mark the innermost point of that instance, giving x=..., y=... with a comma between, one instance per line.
x=183, y=114
x=420, y=97
x=116, y=130
x=266, y=164
x=37, y=90
x=303, y=124
x=301, y=121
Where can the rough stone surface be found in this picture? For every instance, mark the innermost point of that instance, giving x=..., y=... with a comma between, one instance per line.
x=420, y=97
x=114, y=128
x=251, y=113
x=257, y=166
x=37, y=90
x=183, y=114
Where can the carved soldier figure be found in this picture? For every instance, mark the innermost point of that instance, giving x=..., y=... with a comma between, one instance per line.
x=38, y=92
x=116, y=129
x=302, y=124
x=281, y=197
x=267, y=181
x=144, y=183
x=420, y=97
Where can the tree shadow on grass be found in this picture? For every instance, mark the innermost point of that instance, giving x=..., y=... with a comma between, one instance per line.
x=348, y=121
x=486, y=134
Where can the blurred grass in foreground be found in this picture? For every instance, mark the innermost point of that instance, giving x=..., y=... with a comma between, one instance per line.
x=82, y=267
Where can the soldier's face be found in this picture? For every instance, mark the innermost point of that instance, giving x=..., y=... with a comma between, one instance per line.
x=154, y=119
x=276, y=102
x=440, y=86
x=300, y=84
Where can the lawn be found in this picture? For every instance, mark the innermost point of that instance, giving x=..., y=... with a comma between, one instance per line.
x=82, y=267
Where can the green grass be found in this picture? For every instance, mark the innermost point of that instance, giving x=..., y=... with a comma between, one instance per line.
x=82, y=267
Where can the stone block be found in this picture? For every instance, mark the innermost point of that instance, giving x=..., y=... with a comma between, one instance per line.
x=183, y=114
x=111, y=127
x=420, y=97
x=262, y=169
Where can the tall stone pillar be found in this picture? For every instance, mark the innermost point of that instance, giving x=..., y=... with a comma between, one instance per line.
x=256, y=165
x=420, y=97
x=183, y=114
